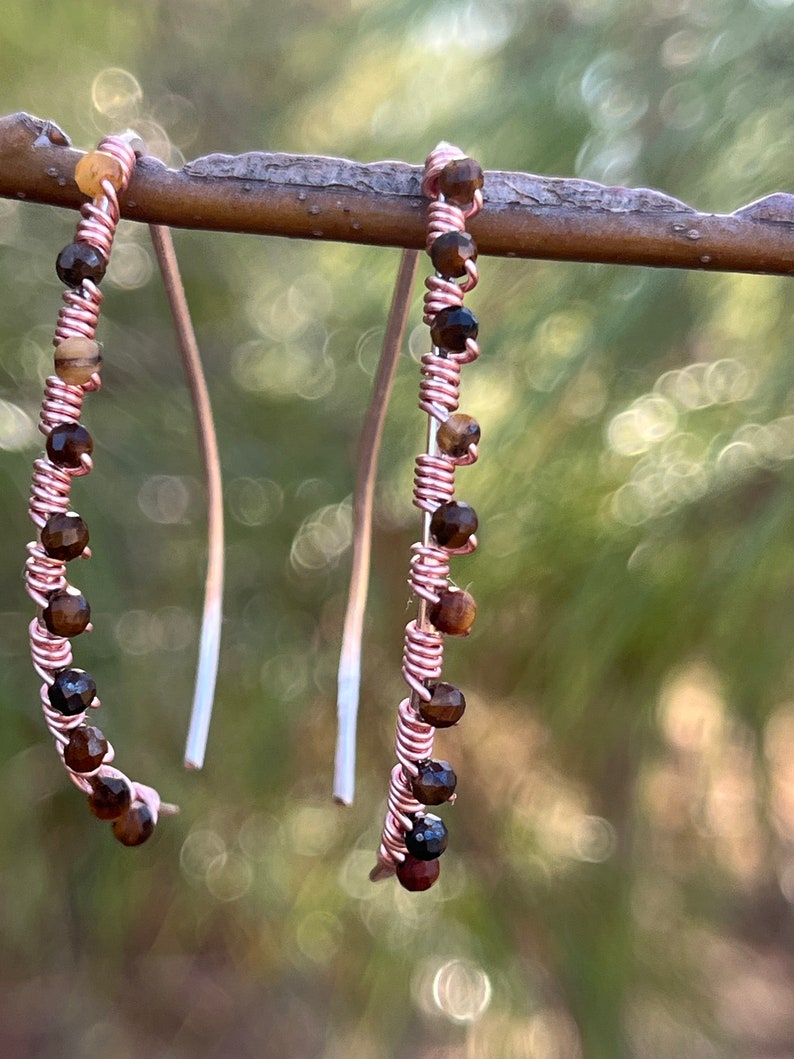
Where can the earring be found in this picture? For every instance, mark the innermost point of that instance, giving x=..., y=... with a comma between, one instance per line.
x=412, y=839
x=63, y=612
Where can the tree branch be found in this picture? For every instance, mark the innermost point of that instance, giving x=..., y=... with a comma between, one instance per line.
x=379, y=203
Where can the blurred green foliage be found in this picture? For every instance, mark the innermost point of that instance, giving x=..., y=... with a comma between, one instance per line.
x=620, y=868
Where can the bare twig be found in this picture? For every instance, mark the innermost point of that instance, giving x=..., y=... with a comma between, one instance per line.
x=380, y=203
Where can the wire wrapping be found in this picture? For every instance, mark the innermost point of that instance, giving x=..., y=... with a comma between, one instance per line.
x=51, y=484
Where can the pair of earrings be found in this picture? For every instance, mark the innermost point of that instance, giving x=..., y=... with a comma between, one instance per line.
x=412, y=839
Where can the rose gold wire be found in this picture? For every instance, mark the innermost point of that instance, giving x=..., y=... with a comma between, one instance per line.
x=210, y=641
x=349, y=676
x=434, y=484
x=51, y=485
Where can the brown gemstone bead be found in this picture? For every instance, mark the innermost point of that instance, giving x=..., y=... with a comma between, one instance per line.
x=450, y=252
x=76, y=360
x=453, y=523
x=78, y=262
x=454, y=613
x=417, y=875
x=67, y=613
x=459, y=179
x=110, y=797
x=95, y=167
x=64, y=536
x=446, y=706
x=86, y=749
x=452, y=327
x=456, y=434
x=72, y=691
x=435, y=783
x=67, y=442
x=135, y=826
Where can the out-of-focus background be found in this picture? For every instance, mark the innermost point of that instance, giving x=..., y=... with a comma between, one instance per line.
x=621, y=870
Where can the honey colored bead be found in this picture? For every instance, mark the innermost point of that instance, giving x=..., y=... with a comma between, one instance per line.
x=78, y=262
x=454, y=613
x=453, y=523
x=452, y=327
x=72, y=691
x=417, y=875
x=67, y=443
x=456, y=434
x=64, y=536
x=95, y=167
x=446, y=706
x=110, y=797
x=86, y=749
x=67, y=613
x=450, y=252
x=458, y=180
x=135, y=826
x=435, y=782
x=76, y=360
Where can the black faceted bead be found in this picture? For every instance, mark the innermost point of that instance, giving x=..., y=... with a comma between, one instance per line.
x=453, y=523
x=428, y=839
x=64, y=536
x=451, y=328
x=72, y=691
x=67, y=442
x=110, y=797
x=435, y=783
x=78, y=262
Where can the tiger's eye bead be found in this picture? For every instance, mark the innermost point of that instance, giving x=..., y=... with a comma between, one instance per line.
x=67, y=442
x=72, y=692
x=435, y=783
x=452, y=327
x=67, y=613
x=456, y=434
x=78, y=262
x=110, y=797
x=454, y=613
x=135, y=826
x=76, y=360
x=446, y=706
x=450, y=252
x=428, y=839
x=453, y=523
x=86, y=749
x=459, y=179
x=64, y=536
x=95, y=167
x=417, y=875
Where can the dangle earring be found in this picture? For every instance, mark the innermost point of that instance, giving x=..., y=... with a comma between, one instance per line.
x=68, y=693
x=412, y=839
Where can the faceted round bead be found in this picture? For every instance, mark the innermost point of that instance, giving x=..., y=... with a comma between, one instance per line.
x=450, y=252
x=78, y=262
x=428, y=839
x=95, y=167
x=446, y=706
x=454, y=613
x=453, y=523
x=72, y=692
x=451, y=328
x=416, y=875
x=76, y=360
x=64, y=536
x=435, y=783
x=67, y=442
x=67, y=613
x=135, y=826
x=456, y=434
x=459, y=179
x=110, y=797
x=86, y=749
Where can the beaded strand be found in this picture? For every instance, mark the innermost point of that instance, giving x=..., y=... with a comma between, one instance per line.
x=413, y=839
x=63, y=612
